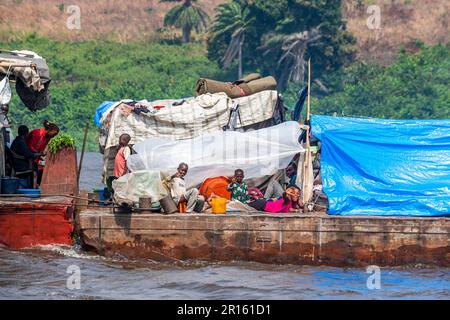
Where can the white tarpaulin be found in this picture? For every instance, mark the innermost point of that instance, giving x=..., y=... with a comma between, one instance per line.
x=259, y=153
x=203, y=114
x=139, y=184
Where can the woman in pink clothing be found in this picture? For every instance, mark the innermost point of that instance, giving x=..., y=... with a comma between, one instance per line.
x=289, y=202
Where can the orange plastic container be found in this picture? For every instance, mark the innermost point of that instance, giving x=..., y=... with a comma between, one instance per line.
x=182, y=207
x=219, y=205
x=216, y=185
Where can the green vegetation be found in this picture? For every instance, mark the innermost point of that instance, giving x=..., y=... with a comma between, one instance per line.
x=87, y=73
x=282, y=35
x=233, y=17
x=61, y=7
x=61, y=141
x=415, y=86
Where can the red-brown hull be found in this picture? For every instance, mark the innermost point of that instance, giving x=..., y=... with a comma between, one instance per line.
x=27, y=223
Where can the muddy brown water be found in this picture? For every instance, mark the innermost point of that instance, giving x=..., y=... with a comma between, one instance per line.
x=48, y=273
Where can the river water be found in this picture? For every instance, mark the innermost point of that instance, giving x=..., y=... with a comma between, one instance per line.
x=47, y=273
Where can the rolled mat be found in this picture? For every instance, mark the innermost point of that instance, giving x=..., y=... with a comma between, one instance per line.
x=204, y=85
x=212, y=86
x=248, y=78
x=266, y=83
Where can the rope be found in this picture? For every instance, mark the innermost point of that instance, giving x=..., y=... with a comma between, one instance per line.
x=5, y=206
x=50, y=195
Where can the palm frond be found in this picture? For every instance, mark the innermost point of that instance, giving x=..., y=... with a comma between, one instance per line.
x=293, y=48
x=235, y=18
x=182, y=16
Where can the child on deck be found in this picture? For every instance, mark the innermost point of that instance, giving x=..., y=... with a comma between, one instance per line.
x=179, y=193
x=289, y=202
x=238, y=188
x=120, y=162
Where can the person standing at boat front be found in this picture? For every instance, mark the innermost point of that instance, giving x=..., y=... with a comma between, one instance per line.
x=120, y=162
x=37, y=141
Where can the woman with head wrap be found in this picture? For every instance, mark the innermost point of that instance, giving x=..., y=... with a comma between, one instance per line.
x=288, y=202
x=38, y=140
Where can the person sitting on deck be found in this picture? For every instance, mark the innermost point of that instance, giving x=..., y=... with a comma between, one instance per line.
x=38, y=139
x=178, y=190
x=238, y=188
x=288, y=202
x=275, y=190
x=23, y=157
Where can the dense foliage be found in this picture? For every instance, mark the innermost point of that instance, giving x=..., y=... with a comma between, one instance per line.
x=233, y=19
x=61, y=141
x=415, y=86
x=87, y=73
x=281, y=29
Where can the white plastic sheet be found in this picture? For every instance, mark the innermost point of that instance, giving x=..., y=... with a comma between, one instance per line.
x=139, y=184
x=259, y=153
x=5, y=90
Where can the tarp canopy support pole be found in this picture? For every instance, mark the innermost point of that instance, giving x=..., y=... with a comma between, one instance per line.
x=2, y=156
x=307, y=185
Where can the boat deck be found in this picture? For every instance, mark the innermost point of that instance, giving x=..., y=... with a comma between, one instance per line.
x=19, y=201
x=314, y=239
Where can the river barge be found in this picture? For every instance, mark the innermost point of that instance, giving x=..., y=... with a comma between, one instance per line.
x=366, y=171
x=302, y=239
x=288, y=238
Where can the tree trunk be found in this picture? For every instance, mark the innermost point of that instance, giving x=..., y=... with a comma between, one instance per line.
x=186, y=34
x=240, y=60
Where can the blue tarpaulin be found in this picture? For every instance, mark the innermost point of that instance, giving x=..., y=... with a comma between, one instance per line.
x=385, y=167
x=100, y=110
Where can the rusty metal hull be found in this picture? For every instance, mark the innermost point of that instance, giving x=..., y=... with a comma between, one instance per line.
x=315, y=239
x=27, y=222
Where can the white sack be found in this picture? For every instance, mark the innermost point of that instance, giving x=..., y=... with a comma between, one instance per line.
x=307, y=177
x=5, y=90
x=139, y=184
x=259, y=153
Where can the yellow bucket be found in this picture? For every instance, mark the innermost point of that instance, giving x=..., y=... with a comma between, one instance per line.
x=219, y=205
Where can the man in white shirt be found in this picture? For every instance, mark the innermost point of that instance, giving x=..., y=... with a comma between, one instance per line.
x=178, y=188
